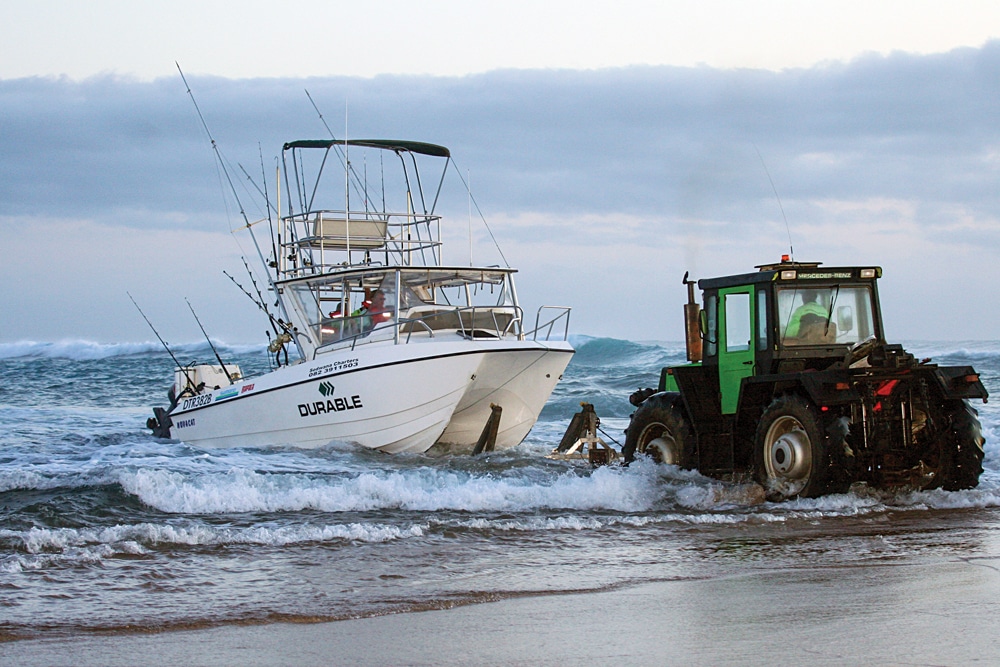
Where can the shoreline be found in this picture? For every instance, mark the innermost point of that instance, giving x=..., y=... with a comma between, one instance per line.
x=938, y=612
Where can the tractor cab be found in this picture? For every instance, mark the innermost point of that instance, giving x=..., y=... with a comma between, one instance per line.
x=817, y=312
x=786, y=317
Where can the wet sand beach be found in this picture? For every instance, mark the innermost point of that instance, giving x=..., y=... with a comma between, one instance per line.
x=919, y=612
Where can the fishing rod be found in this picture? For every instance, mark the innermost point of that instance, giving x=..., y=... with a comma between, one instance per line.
x=260, y=295
x=180, y=366
x=276, y=346
x=275, y=323
x=216, y=352
x=285, y=336
x=232, y=187
x=221, y=161
x=270, y=207
x=260, y=191
x=277, y=212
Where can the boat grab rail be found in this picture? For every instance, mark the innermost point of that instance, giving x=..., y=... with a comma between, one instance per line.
x=514, y=312
x=422, y=323
x=336, y=232
x=336, y=216
x=550, y=325
x=373, y=228
x=510, y=325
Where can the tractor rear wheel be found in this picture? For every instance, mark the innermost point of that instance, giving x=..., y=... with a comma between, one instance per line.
x=660, y=430
x=790, y=450
x=963, y=445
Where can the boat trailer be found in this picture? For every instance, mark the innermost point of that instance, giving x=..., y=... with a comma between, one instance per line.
x=582, y=442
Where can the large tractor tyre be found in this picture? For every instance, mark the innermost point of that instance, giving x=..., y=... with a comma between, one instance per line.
x=963, y=460
x=790, y=450
x=660, y=429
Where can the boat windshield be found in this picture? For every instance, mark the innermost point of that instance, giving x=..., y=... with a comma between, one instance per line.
x=835, y=314
x=382, y=304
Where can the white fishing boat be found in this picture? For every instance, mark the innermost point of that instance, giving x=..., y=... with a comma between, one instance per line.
x=390, y=348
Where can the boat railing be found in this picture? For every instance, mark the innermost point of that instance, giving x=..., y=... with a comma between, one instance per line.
x=500, y=322
x=549, y=326
x=472, y=322
x=402, y=238
x=477, y=322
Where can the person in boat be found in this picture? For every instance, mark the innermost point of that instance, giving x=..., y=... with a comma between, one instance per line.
x=330, y=328
x=373, y=311
x=810, y=321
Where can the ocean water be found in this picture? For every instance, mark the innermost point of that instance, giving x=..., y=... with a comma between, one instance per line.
x=105, y=529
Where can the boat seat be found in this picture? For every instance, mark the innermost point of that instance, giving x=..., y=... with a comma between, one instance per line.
x=487, y=320
x=338, y=233
x=435, y=318
x=439, y=319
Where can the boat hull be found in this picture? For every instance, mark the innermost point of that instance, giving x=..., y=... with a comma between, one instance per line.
x=394, y=398
x=520, y=382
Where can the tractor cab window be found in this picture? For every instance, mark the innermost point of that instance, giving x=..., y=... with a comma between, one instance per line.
x=737, y=322
x=711, y=325
x=837, y=314
x=763, y=341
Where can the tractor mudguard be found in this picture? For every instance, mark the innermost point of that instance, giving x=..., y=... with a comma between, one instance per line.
x=960, y=382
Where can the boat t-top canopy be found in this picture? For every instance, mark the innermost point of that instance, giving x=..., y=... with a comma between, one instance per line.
x=386, y=144
x=390, y=219
x=429, y=276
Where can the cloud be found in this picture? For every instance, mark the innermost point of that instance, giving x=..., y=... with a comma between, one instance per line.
x=592, y=181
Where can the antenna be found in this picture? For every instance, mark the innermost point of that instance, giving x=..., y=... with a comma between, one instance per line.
x=480, y=212
x=360, y=188
x=791, y=251
x=216, y=352
x=347, y=187
x=469, y=174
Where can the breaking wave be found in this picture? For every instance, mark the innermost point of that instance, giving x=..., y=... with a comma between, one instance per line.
x=418, y=490
x=85, y=350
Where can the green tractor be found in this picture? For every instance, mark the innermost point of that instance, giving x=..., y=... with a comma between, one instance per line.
x=791, y=383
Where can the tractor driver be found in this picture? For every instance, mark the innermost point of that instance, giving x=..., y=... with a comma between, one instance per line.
x=809, y=321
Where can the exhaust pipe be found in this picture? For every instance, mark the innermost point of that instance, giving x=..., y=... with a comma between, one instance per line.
x=692, y=323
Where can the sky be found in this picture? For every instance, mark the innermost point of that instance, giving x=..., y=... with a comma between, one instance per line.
x=611, y=147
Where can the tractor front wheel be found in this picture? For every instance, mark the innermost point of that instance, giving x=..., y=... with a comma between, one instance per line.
x=660, y=430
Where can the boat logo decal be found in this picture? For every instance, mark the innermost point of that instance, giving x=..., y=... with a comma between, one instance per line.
x=229, y=393
x=184, y=423
x=331, y=404
x=336, y=404
x=246, y=388
x=196, y=401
